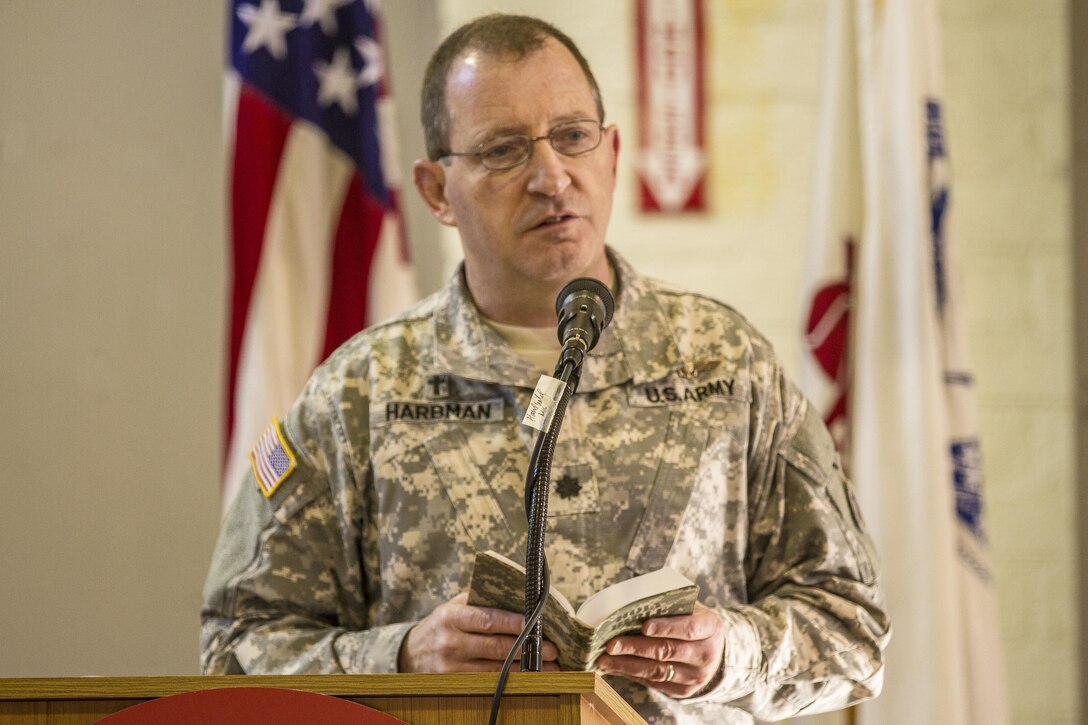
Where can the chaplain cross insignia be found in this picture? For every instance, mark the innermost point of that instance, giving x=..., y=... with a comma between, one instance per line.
x=568, y=486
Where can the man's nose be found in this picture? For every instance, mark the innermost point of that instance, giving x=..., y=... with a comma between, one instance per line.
x=547, y=169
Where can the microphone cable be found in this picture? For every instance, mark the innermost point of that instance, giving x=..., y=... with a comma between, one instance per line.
x=537, y=481
x=530, y=623
x=584, y=308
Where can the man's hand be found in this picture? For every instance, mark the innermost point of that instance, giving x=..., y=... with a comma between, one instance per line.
x=677, y=655
x=458, y=638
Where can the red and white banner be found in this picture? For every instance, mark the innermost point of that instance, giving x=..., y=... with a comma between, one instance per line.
x=318, y=250
x=671, y=105
x=889, y=365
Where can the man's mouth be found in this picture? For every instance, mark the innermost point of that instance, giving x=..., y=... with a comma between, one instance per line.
x=553, y=220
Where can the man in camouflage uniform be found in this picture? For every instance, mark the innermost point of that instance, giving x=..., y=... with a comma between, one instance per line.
x=350, y=547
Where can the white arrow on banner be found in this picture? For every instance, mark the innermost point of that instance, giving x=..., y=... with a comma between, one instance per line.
x=673, y=161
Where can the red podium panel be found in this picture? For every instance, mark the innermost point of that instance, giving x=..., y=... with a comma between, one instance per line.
x=532, y=698
x=249, y=706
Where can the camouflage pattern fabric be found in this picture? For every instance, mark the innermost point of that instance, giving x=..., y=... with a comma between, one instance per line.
x=684, y=446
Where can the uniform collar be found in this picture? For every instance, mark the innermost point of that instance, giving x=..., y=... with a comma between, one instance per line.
x=638, y=346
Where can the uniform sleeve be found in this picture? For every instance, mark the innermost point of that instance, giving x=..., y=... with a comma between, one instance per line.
x=287, y=591
x=812, y=636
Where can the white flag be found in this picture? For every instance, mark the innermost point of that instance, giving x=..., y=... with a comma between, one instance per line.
x=904, y=386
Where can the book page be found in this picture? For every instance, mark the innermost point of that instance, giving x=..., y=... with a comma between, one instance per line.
x=500, y=582
x=594, y=610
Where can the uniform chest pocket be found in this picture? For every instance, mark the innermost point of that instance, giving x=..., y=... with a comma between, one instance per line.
x=700, y=471
x=477, y=482
x=434, y=495
x=686, y=437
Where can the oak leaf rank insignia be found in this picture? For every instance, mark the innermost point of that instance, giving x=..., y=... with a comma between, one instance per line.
x=568, y=486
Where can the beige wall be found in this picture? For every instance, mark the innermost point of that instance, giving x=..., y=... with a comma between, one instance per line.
x=1077, y=31
x=113, y=285
x=112, y=276
x=1008, y=101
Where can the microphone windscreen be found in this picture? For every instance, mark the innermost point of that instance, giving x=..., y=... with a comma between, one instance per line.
x=584, y=307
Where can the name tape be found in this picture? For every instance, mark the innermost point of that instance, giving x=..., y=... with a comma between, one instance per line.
x=542, y=405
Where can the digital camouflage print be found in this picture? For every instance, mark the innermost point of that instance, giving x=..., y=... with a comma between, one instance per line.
x=684, y=446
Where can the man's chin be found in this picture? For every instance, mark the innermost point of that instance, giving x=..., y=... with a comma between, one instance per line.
x=568, y=259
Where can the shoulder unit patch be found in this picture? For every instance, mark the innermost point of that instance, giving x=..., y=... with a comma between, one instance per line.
x=273, y=460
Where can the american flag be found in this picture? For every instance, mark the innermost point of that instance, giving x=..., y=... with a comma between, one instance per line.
x=272, y=460
x=318, y=250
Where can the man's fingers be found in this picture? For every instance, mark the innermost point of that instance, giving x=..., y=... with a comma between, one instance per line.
x=458, y=637
x=702, y=624
x=660, y=650
x=650, y=671
x=677, y=655
x=490, y=633
x=498, y=647
x=670, y=688
x=489, y=647
x=676, y=679
x=485, y=620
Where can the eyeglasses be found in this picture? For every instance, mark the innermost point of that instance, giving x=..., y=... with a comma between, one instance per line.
x=573, y=138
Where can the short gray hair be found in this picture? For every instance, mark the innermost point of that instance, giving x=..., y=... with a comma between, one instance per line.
x=495, y=34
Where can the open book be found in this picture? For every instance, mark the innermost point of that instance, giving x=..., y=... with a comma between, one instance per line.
x=581, y=635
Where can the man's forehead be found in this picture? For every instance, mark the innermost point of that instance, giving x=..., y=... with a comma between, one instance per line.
x=473, y=59
x=496, y=87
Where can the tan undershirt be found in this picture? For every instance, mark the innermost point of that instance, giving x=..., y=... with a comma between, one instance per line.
x=538, y=345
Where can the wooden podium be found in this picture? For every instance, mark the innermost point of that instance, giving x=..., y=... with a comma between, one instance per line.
x=567, y=698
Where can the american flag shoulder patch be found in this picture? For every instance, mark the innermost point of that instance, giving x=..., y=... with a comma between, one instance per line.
x=272, y=459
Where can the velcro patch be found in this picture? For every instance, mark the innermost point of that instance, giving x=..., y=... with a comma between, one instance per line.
x=272, y=459
x=461, y=411
x=679, y=392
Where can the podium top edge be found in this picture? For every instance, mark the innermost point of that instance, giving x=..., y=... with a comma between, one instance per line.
x=112, y=688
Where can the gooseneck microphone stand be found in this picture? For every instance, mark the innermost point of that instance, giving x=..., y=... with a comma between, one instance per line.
x=584, y=308
x=537, y=482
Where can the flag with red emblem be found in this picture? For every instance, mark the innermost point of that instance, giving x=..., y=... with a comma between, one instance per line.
x=888, y=366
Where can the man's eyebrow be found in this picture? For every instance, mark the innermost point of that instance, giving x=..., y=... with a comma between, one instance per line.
x=501, y=131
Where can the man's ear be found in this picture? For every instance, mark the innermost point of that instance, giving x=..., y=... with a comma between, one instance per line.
x=614, y=139
x=430, y=180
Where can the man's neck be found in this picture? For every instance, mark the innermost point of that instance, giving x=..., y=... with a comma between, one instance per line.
x=526, y=304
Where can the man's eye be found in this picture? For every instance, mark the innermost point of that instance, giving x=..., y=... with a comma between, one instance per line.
x=571, y=136
x=500, y=150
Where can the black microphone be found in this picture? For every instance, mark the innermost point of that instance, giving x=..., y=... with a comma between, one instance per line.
x=584, y=307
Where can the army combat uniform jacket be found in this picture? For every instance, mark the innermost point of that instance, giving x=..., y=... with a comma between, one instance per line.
x=683, y=446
